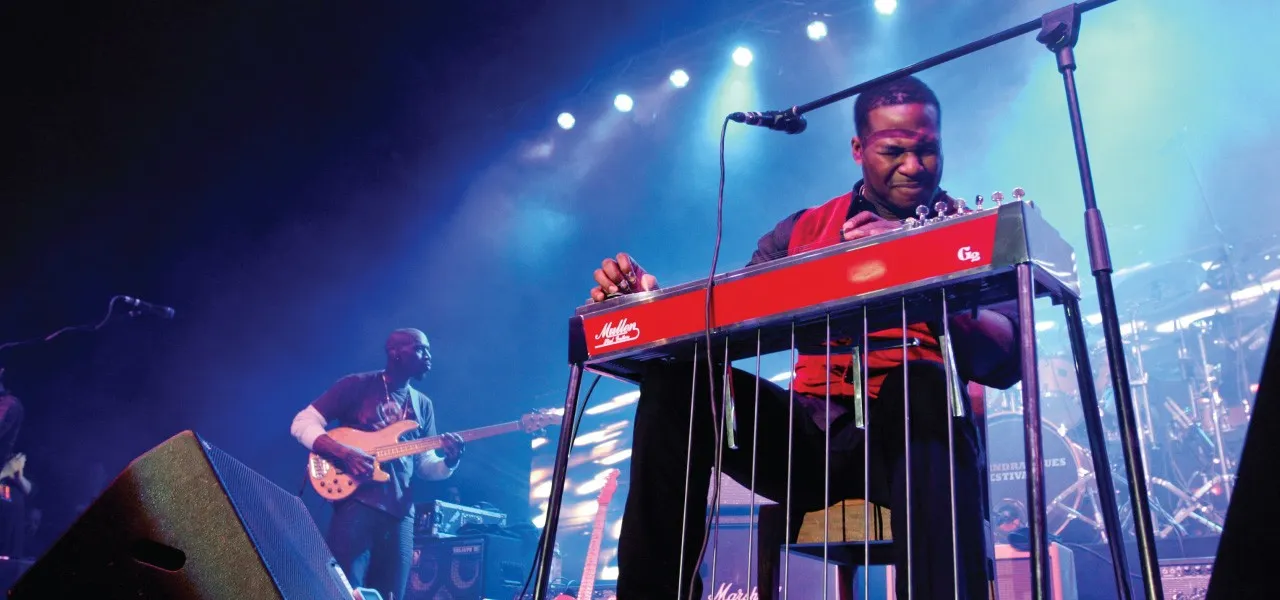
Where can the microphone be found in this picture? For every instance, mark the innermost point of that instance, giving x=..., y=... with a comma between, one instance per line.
x=163, y=312
x=786, y=121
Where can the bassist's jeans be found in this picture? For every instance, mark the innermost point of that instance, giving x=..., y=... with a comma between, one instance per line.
x=649, y=550
x=373, y=548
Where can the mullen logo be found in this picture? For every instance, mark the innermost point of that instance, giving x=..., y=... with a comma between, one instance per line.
x=968, y=255
x=611, y=334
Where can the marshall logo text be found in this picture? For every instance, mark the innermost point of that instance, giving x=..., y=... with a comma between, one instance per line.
x=611, y=334
x=726, y=592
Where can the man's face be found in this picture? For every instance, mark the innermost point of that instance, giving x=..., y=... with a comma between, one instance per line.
x=413, y=353
x=901, y=156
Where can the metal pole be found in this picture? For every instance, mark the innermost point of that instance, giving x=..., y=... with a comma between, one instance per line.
x=1060, y=30
x=1098, y=448
x=1036, y=513
x=558, y=473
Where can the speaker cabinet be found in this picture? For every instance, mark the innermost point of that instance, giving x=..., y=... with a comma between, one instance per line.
x=1244, y=566
x=469, y=567
x=186, y=520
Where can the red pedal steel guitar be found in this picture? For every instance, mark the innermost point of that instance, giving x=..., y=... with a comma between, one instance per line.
x=973, y=255
x=597, y=533
x=384, y=445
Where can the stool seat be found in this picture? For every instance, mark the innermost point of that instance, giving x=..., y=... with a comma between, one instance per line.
x=844, y=523
x=844, y=541
x=849, y=554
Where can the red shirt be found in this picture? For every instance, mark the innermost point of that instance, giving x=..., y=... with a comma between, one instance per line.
x=819, y=227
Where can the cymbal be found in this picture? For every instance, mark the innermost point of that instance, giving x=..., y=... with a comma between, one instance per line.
x=1160, y=282
x=1164, y=292
x=1254, y=260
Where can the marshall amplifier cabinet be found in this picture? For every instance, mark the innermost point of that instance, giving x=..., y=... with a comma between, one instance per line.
x=1185, y=578
x=1013, y=575
x=440, y=519
x=468, y=567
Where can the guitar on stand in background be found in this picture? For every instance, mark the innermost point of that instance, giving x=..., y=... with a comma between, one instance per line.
x=597, y=534
x=384, y=445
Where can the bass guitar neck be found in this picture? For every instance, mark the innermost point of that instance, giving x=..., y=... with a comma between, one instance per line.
x=333, y=483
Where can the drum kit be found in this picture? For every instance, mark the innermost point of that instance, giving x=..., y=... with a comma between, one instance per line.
x=1195, y=331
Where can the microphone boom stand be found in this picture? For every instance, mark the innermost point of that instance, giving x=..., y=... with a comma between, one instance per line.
x=1058, y=31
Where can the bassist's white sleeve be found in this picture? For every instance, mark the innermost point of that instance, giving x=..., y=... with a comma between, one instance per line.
x=431, y=467
x=307, y=426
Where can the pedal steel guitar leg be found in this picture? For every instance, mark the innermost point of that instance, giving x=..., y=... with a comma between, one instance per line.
x=726, y=406
x=1036, y=514
x=1097, y=446
x=906, y=436
x=864, y=399
x=954, y=410
x=826, y=470
x=755, y=440
x=791, y=421
x=559, y=470
x=688, y=462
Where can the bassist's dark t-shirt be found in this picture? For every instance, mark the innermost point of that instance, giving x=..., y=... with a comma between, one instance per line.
x=362, y=401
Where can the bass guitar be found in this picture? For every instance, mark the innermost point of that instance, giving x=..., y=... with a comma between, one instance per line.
x=384, y=445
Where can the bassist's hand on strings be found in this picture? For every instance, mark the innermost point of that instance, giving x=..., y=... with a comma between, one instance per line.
x=354, y=461
x=452, y=449
x=621, y=275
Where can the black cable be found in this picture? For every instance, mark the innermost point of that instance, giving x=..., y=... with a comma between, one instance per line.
x=542, y=537
x=1097, y=554
x=1018, y=539
x=717, y=422
x=111, y=306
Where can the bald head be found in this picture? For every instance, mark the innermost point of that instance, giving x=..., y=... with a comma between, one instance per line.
x=408, y=352
x=408, y=335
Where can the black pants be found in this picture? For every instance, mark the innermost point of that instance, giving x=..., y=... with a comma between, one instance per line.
x=373, y=547
x=649, y=548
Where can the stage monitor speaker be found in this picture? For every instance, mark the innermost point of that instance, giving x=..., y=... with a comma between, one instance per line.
x=188, y=521
x=1243, y=568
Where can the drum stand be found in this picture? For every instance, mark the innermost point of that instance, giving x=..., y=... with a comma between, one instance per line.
x=1187, y=507
x=1214, y=412
x=1140, y=383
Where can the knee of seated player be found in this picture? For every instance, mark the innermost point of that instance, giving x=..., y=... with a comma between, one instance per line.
x=926, y=383
x=673, y=382
x=669, y=382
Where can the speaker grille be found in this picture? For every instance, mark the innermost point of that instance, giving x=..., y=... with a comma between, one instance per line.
x=277, y=522
x=186, y=520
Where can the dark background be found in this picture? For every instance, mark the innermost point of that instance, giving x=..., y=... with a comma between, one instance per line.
x=281, y=173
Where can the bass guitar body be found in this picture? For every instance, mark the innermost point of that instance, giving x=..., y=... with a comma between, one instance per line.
x=331, y=482
x=384, y=445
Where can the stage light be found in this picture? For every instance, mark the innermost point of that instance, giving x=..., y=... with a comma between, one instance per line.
x=742, y=56
x=886, y=7
x=623, y=103
x=679, y=78
x=817, y=30
x=565, y=120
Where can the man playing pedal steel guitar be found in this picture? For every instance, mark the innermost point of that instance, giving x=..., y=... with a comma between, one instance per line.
x=371, y=532
x=897, y=143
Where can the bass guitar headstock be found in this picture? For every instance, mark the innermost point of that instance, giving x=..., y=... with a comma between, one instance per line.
x=540, y=419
